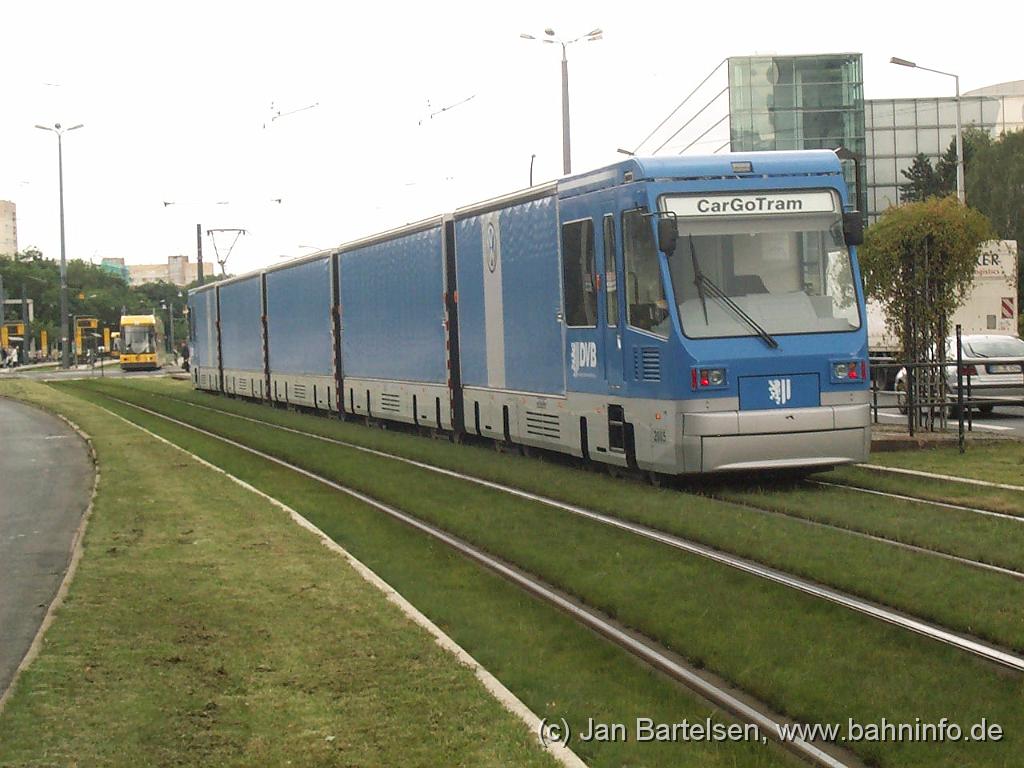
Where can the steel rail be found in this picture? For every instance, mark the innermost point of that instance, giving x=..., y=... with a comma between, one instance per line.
x=916, y=548
x=936, y=476
x=921, y=500
x=860, y=605
x=649, y=651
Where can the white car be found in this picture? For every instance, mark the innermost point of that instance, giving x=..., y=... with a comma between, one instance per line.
x=995, y=383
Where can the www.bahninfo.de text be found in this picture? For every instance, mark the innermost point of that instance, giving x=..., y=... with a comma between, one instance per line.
x=645, y=729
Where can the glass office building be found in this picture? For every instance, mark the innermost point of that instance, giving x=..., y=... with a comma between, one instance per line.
x=900, y=129
x=800, y=102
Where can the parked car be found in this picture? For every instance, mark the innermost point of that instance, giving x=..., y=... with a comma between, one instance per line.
x=1000, y=383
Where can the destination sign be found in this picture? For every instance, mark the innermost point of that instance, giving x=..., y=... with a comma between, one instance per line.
x=759, y=204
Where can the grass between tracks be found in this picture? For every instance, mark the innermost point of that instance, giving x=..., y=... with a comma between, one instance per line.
x=981, y=603
x=811, y=659
x=204, y=628
x=965, y=534
x=999, y=461
x=997, y=499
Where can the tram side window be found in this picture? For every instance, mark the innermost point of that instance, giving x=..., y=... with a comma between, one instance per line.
x=578, y=273
x=611, y=284
x=645, y=294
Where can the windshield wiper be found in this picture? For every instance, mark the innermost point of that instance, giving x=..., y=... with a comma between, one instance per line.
x=698, y=280
x=703, y=282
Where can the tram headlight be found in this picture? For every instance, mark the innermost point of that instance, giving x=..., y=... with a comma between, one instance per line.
x=849, y=370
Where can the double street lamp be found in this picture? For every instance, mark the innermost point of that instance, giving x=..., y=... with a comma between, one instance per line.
x=591, y=36
x=65, y=354
x=959, y=139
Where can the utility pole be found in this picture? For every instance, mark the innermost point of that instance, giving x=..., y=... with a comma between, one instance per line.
x=27, y=335
x=199, y=252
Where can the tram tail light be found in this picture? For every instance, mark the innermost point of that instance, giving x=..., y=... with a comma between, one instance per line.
x=703, y=378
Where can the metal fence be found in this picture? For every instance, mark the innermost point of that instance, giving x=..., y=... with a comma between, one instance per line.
x=930, y=395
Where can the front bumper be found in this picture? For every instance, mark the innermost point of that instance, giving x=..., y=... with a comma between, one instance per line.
x=775, y=439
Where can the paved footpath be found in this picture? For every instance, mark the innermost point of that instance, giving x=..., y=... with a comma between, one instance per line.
x=46, y=479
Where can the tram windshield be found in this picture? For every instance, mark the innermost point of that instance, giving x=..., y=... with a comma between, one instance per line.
x=789, y=273
x=138, y=339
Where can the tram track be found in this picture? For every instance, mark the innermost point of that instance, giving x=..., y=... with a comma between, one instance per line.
x=919, y=500
x=927, y=551
x=738, y=703
x=962, y=642
x=978, y=564
x=937, y=476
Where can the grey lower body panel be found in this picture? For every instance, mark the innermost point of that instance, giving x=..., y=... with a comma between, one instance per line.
x=676, y=437
x=312, y=391
x=422, y=404
x=244, y=383
x=205, y=377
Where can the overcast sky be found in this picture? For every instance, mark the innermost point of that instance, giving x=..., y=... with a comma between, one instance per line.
x=180, y=103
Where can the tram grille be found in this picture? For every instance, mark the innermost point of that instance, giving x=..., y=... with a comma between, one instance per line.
x=646, y=364
x=242, y=385
x=390, y=402
x=543, y=425
x=299, y=391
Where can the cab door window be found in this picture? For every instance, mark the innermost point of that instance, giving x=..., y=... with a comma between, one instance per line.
x=611, y=284
x=645, y=294
x=578, y=278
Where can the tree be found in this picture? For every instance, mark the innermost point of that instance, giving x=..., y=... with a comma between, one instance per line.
x=945, y=167
x=995, y=184
x=918, y=260
x=922, y=181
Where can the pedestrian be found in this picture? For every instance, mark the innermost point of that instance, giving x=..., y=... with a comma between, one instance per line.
x=184, y=356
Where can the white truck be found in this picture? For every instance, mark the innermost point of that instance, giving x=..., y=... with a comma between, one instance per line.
x=989, y=307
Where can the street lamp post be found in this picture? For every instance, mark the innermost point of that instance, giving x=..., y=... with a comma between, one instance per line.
x=960, y=194
x=65, y=352
x=591, y=36
x=169, y=306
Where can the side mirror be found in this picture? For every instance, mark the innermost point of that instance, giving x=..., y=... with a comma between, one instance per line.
x=853, y=228
x=668, y=234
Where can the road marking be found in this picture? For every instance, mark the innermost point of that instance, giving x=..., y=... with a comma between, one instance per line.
x=995, y=427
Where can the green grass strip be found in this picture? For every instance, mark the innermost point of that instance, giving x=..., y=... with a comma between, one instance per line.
x=204, y=628
x=996, y=461
x=810, y=659
x=948, y=491
x=965, y=534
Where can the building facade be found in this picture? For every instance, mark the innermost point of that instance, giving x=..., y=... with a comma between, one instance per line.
x=800, y=102
x=817, y=102
x=8, y=229
x=897, y=130
x=178, y=270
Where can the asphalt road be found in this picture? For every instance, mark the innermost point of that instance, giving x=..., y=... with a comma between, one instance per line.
x=46, y=480
x=1004, y=420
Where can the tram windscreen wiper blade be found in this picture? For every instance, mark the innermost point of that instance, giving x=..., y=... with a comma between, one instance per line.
x=703, y=283
x=698, y=280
